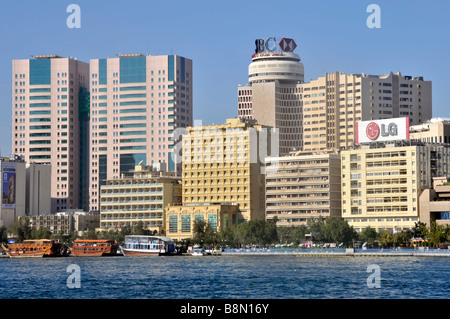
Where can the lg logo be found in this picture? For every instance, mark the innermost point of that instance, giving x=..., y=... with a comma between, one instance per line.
x=373, y=131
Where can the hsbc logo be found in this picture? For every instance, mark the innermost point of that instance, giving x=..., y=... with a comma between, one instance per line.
x=287, y=45
x=271, y=45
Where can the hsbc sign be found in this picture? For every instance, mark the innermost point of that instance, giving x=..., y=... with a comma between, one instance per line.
x=382, y=130
x=272, y=45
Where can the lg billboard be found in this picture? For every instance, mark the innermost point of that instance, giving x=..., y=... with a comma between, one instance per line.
x=382, y=130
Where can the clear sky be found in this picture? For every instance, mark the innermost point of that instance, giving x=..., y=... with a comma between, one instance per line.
x=331, y=35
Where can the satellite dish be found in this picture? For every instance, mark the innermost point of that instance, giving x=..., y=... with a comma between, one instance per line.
x=141, y=162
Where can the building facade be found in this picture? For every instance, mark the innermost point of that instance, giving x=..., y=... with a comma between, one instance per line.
x=303, y=186
x=139, y=198
x=333, y=103
x=180, y=220
x=66, y=222
x=272, y=96
x=12, y=187
x=223, y=164
x=435, y=203
x=50, y=93
x=25, y=190
x=137, y=102
x=38, y=189
x=436, y=130
x=382, y=182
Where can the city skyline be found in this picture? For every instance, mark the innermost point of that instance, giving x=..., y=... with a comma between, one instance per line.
x=219, y=38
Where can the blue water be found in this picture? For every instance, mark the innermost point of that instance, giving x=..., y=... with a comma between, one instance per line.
x=224, y=277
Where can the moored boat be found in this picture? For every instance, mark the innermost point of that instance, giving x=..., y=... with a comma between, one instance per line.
x=198, y=252
x=148, y=245
x=95, y=247
x=37, y=248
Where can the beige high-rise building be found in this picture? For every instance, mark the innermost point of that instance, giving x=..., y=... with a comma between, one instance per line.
x=303, y=186
x=436, y=130
x=272, y=96
x=50, y=102
x=141, y=197
x=223, y=164
x=137, y=103
x=333, y=103
x=382, y=182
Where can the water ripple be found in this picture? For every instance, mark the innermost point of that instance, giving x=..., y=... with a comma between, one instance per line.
x=231, y=277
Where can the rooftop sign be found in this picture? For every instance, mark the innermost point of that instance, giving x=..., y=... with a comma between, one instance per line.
x=273, y=45
x=382, y=130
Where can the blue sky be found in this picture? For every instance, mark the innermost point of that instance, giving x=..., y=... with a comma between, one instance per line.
x=219, y=37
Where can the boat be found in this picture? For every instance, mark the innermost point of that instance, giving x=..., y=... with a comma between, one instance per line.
x=95, y=247
x=148, y=245
x=37, y=248
x=198, y=252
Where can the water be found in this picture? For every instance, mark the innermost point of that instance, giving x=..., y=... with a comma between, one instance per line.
x=225, y=277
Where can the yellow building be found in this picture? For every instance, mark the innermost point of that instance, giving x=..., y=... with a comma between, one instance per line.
x=223, y=163
x=141, y=197
x=382, y=182
x=180, y=220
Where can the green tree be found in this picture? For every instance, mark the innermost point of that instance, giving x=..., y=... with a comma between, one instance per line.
x=437, y=234
x=139, y=229
x=386, y=238
x=3, y=234
x=332, y=229
x=419, y=230
x=21, y=229
x=203, y=233
x=368, y=235
x=40, y=233
x=338, y=230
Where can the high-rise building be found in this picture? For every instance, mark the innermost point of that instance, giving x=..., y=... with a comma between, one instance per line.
x=382, y=182
x=436, y=130
x=50, y=94
x=303, y=186
x=137, y=101
x=139, y=198
x=224, y=164
x=272, y=96
x=333, y=103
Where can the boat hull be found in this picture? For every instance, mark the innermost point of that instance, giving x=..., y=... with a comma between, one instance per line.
x=94, y=248
x=130, y=252
x=96, y=254
x=36, y=250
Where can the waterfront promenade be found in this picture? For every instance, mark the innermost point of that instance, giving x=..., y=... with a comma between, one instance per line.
x=390, y=252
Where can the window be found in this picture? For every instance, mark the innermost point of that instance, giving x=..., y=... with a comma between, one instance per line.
x=133, y=69
x=185, y=223
x=173, y=224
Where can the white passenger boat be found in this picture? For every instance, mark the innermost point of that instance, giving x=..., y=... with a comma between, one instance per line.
x=147, y=245
x=198, y=252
